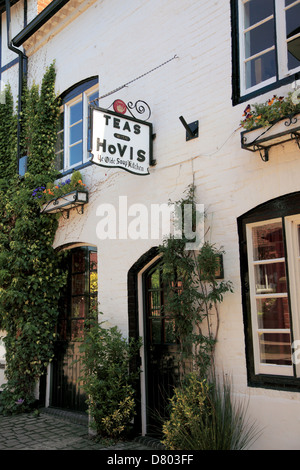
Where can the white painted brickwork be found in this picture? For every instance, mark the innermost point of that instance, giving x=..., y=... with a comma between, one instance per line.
x=119, y=41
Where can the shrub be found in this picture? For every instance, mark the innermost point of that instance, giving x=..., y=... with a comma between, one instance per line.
x=204, y=416
x=108, y=380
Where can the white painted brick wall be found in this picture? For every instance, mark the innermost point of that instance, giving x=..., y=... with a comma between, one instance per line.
x=120, y=41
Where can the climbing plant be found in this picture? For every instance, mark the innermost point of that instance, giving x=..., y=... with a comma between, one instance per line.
x=30, y=270
x=193, y=293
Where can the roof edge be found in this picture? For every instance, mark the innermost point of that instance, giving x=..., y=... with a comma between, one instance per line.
x=38, y=22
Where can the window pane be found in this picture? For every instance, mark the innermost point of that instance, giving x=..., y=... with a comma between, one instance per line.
x=76, y=133
x=273, y=313
x=78, y=284
x=155, y=307
x=77, y=329
x=257, y=10
x=289, y=2
x=275, y=348
x=294, y=53
x=78, y=261
x=260, y=38
x=93, y=282
x=93, y=261
x=75, y=112
x=292, y=16
x=155, y=279
x=93, y=96
x=268, y=241
x=76, y=153
x=270, y=278
x=155, y=331
x=292, y=30
x=78, y=307
x=260, y=69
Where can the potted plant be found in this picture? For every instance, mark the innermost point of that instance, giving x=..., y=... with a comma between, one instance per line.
x=58, y=196
x=271, y=123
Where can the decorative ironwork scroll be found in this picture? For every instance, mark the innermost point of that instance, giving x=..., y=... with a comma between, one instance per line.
x=141, y=108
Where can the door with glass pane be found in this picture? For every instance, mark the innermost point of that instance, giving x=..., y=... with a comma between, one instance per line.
x=76, y=305
x=161, y=351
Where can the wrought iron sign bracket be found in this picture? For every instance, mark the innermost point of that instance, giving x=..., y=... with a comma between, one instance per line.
x=192, y=129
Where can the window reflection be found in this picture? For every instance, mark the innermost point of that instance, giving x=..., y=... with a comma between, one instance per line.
x=257, y=10
x=270, y=278
x=275, y=348
x=273, y=313
x=268, y=241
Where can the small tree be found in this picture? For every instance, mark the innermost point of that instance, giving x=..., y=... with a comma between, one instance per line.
x=193, y=295
x=203, y=414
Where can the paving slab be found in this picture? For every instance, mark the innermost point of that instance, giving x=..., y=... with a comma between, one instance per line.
x=53, y=432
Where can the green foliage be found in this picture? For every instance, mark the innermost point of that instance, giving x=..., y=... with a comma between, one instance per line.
x=265, y=114
x=54, y=190
x=117, y=422
x=30, y=270
x=108, y=380
x=205, y=416
x=8, y=136
x=188, y=405
x=39, y=119
x=192, y=295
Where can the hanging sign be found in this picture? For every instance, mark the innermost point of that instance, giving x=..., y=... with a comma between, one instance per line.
x=119, y=141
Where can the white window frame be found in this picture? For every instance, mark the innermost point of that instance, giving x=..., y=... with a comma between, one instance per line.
x=84, y=97
x=280, y=46
x=292, y=260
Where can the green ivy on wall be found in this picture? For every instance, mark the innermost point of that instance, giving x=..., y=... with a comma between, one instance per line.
x=31, y=275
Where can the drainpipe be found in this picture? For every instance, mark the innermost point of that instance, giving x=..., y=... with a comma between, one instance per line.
x=22, y=62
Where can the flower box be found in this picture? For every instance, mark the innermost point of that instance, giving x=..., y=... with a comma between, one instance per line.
x=261, y=139
x=68, y=201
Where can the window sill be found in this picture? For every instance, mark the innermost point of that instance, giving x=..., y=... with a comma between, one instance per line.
x=238, y=98
x=63, y=173
x=261, y=139
x=280, y=383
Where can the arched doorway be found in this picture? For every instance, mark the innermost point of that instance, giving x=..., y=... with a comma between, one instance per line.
x=146, y=319
x=79, y=297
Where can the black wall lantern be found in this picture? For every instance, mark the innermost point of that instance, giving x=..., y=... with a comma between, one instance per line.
x=192, y=129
